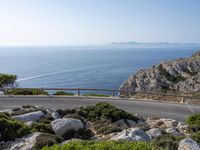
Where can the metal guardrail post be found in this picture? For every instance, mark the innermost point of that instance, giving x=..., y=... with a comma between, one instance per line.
x=113, y=93
x=79, y=92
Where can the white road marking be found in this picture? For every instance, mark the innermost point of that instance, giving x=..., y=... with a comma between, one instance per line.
x=190, y=109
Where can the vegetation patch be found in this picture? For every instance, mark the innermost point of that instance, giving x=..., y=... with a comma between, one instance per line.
x=25, y=92
x=168, y=76
x=97, y=95
x=168, y=142
x=191, y=72
x=102, y=111
x=11, y=128
x=46, y=140
x=6, y=80
x=42, y=127
x=80, y=134
x=194, y=120
x=106, y=145
x=62, y=93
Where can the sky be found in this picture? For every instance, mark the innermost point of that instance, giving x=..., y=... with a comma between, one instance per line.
x=96, y=22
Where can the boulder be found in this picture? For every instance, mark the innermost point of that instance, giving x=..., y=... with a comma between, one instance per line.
x=32, y=116
x=131, y=123
x=154, y=133
x=183, y=128
x=25, y=143
x=188, y=144
x=55, y=115
x=1, y=93
x=121, y=123
x=132, y=134
x=173, y=131
x=60, y=126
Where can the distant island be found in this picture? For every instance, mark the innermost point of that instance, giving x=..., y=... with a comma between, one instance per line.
x=154, y=44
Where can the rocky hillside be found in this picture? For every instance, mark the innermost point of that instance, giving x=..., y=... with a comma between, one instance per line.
x=181, y=75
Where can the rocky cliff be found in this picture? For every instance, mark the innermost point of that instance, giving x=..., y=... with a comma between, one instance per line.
x=181, y=75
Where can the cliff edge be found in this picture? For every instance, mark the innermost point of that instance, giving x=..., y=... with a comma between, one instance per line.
x=181, y=76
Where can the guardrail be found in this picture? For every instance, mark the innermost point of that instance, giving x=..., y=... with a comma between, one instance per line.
x=113, y=92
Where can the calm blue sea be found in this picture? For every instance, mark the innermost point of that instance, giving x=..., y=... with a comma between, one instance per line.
x=81, y=67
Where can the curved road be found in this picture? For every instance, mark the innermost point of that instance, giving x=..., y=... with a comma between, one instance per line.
x=141, y=107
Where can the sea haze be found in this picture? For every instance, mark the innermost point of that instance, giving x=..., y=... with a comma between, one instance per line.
x=92, y=67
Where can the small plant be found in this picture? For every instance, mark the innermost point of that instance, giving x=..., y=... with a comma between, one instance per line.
x=11, y=128
x=42, y=127
x=80, y=134
x=194, y=120
x=25, y=92
x=46, y=140
x=97, y=95
x=63, y=93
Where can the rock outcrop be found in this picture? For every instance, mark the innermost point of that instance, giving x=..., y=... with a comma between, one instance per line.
x=32, y=116
x=188, y=144
x=60, y=126
x=181, y=75
x=132, y=134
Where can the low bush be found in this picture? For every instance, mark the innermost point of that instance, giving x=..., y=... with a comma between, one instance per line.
x=194, y=120
x=11, y=128
x=196, y=137
x=63, y=93
x=107, y=145
x=25, y=92
x=42, y=127
x=103, y=111
x=46, y=140
x=63, y=112
x=167, y=142
x=46, y=120
x=97, y=95
x=108, y=129
x=80, y=134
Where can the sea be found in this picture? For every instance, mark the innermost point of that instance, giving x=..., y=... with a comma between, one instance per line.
x=82, y=67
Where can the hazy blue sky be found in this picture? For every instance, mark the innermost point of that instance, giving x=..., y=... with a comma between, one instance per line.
x=77, y=22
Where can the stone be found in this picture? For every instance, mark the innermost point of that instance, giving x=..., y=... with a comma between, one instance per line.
x=183, y=128
x=32, y=116
x=173, y=131
x=60, y=126
x=55, y=115
x=132, y=134
x=154, y=133
x=1, y=93
x=188, y=144
x=131, y=123
x=120, y=123
x=26, y=142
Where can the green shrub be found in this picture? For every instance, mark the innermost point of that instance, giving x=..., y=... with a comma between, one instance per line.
x=108, y=130
x=168, y=142
x=107, y=145
x=63, y=93
x=97, y=95
x=104, y=110
x=63, y=112
x=42, y=127
x=169, y=77
x=196, y=136
x=46, y=140
x=194, y=120
x=11, y=128
x=46, y=120
x=80, y=134
x=6, y=79
x=25, y=92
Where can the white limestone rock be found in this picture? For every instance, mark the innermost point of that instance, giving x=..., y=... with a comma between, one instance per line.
x=32, y=116
x=132, y=134
x=188, y=144
x=26, y=142
x=154, y=133
x=60, y=126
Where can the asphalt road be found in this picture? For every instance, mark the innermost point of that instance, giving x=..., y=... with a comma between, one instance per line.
x=143, y=108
